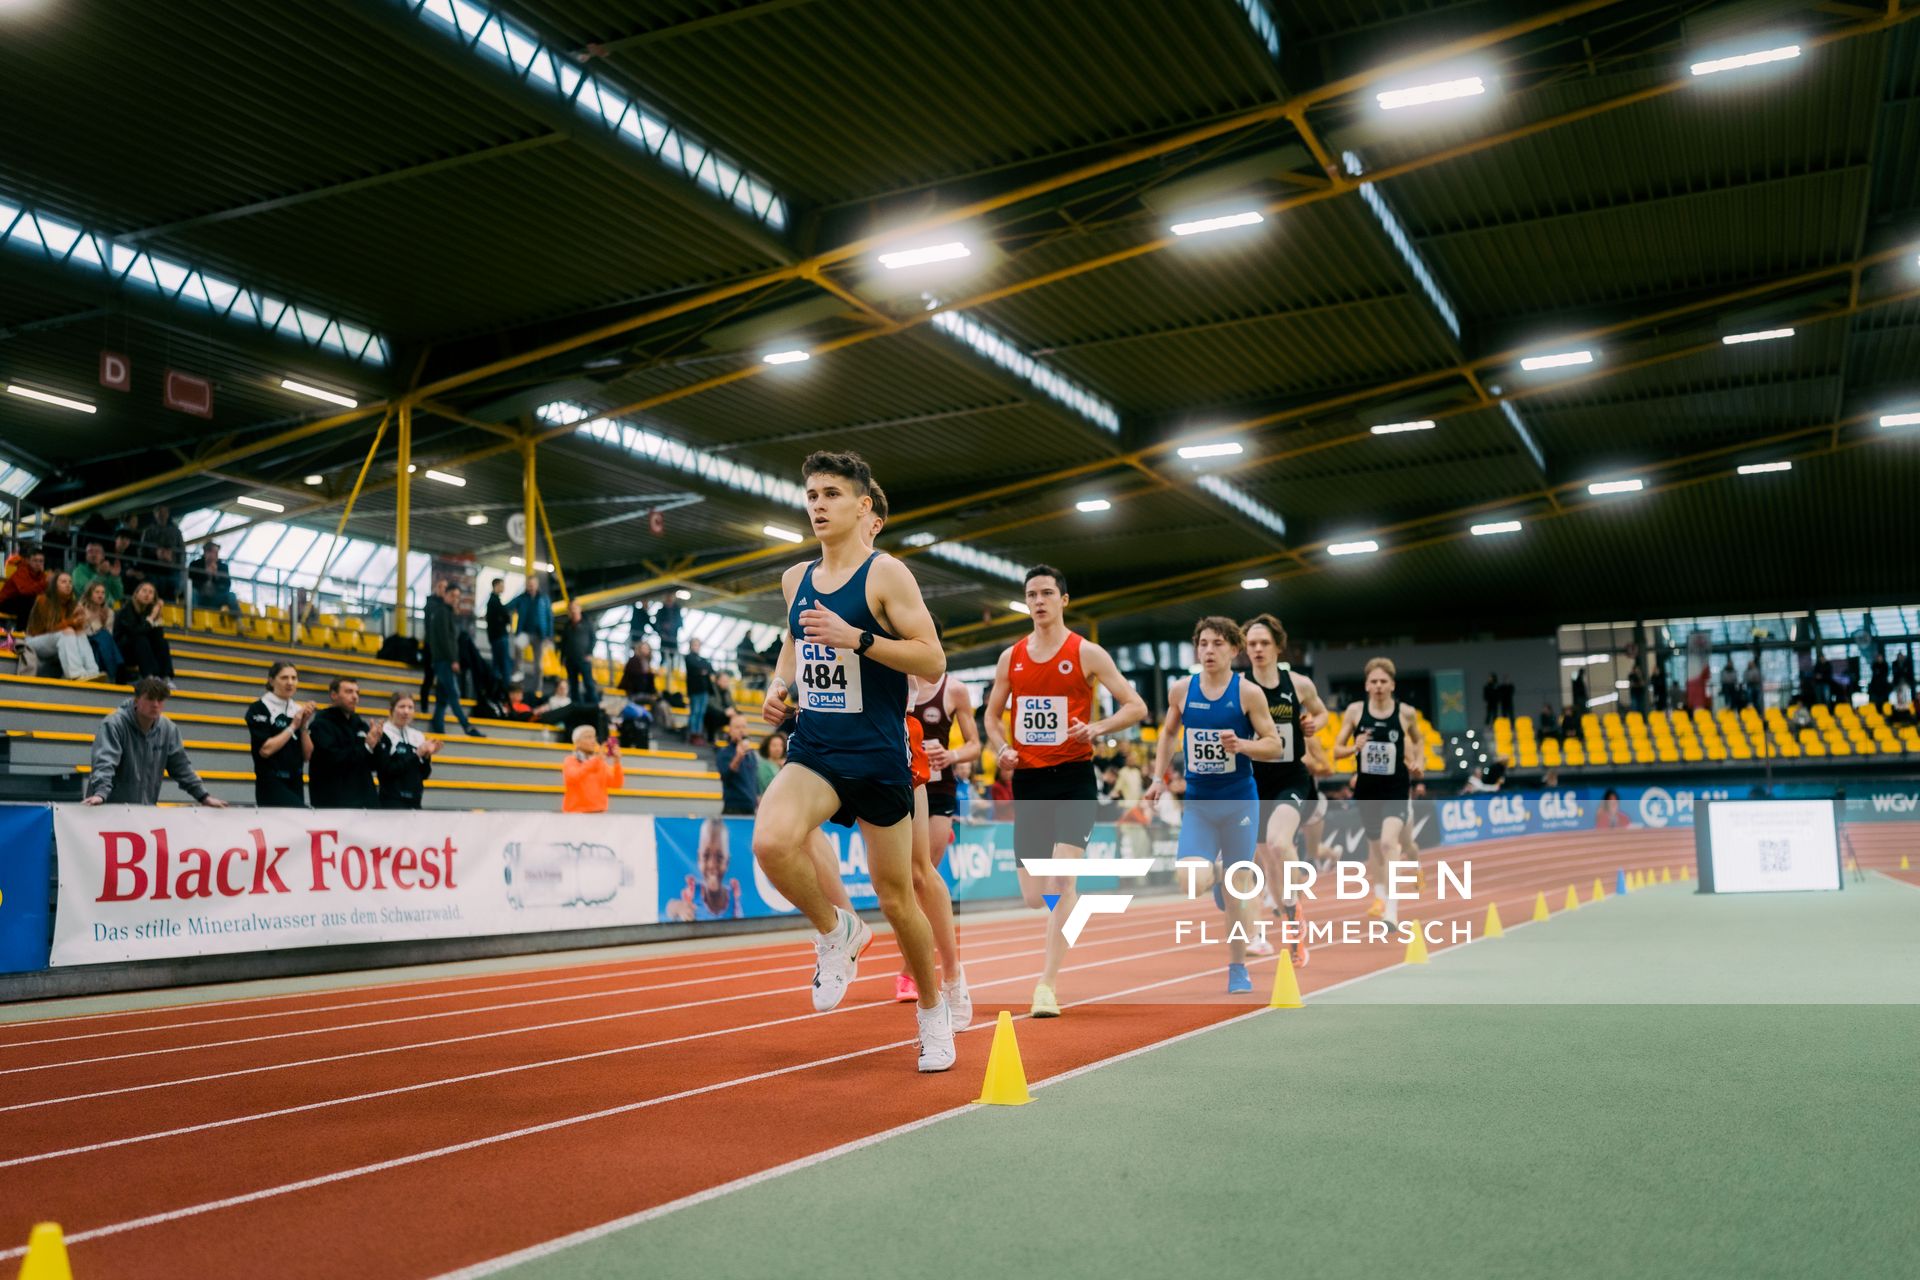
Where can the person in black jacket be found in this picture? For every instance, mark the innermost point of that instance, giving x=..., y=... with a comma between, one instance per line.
x=278, y=728
x=402, y=757
x=142, y=638
x=576, y=653
x=340, y=771
x=443, y=651
x=500, y=635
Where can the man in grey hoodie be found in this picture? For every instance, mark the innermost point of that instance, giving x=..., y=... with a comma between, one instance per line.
x=135, y=747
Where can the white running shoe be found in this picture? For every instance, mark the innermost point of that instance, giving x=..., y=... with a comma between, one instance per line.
x=837, y=959
x=1259, y=947
x=959, y=1002
x=936, y=1037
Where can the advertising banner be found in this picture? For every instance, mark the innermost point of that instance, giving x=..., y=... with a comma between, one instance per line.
x=26, y=873
x=145, y=883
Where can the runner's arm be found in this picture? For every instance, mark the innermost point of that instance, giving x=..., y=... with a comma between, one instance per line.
x=902, y=610
x=1416, y=742
x=1129, y=708
x=773, y=709
x=1169, y=730
x=997, y=704
x=1344, y=745
x=1266, y=744
x=962, y=713
x=1309, y=699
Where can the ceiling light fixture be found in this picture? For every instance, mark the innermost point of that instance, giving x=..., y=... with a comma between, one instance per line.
x=1762, y=468
x=316, y=479
x=1092, y=504
x=260, y=504
x=1616, y=486
x=787, y=357
x=1364, y=547
x=1559, y=361
x=477, y=518
x=1421, y=95
x=1252, y=584
x=1201, y=226
x=1019, y=606
x=785, y=535
x=927, y=253
x=459, y=482
x=1395, y=428
x=45, y=397
x=1739, y=60
x=1226, y=449
x=1761, y=335
x=541, y=565
x=1887, y=420
x=319, y=393
x=683, y=594
x=1496, y=526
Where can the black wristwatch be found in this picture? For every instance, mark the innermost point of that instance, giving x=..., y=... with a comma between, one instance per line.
x=866, y=642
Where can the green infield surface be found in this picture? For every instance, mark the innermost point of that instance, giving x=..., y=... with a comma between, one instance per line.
x=1670, y=1085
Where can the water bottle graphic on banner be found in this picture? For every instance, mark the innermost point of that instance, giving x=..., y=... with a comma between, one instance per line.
x=564, y=875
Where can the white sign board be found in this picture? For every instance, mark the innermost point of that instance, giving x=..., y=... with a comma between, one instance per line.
x=1772, y=846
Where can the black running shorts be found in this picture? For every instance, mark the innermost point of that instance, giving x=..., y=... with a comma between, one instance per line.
x=1052, y=804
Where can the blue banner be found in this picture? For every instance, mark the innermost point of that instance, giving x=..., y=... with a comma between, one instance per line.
x=707, y=869
x=1464, y=819
x=26, y=887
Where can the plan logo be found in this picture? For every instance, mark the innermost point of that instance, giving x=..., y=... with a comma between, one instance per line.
x=1088, y=905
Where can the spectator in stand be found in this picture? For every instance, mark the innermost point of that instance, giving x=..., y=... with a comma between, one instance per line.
x=26, y=580
x=576, y=652
x=1729, y=686
x=1756, y=686
x=476, y=676
x=125, y=558
x=637, y=623
x=277, y=727
x=403, y=757
x=94, y=569
x=1637, y=689
x=1491, y=692
x=1657, y=686
x=533, y=625
x=500, y=634
x=714, y=722
x=1569, y=725
x=58, y=541
x=1610, y=817
x=748, y=659
x=699, y=690
x=212, y=584
x=1578, y=706
x=1823, y=680
x=443, y=645
x=666, y=625
x=340, y=771
x=98, y=615
x=142, y=637
x=1506, y=700
x=773, y=754
x=589, y=774
x=166, y=547
x=739, y=768
x=637, y=679
x=57, y=629
x=1879, y=681
x=136, y=746
x=553, y=708
x=1903, y=675
x=1549, y=724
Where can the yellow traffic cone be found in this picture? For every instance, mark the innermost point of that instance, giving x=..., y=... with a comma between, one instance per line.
x=1417, y=948
x=1686, y=872
x=1539, y=907
x=1666, y=875
x=1904, y=864
x=1492, y=928
x=1636, y=882
x=1286, y=987
x=1006, y=1082
x=46, y=1255
x=1599, y=890
x=1573, y=899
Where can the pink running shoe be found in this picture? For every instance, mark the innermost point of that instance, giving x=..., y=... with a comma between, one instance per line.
x=904, y=990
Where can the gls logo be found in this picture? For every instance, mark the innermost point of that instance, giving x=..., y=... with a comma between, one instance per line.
x=1559, y=804
x=1088, y=905
x=1459, y=815
x=1507, y=810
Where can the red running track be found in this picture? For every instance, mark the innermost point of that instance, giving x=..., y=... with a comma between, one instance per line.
x=411, y=1128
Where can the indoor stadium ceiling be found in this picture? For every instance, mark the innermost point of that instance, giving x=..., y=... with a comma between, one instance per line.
x=537, y=218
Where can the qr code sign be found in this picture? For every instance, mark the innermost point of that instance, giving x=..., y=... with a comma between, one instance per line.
x=1776, y=855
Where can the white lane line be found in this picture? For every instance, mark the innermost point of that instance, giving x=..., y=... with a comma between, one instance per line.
x=304, y=1184
x=503, y=1032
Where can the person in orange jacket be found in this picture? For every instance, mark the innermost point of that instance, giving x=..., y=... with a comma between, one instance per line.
x=590, y=774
